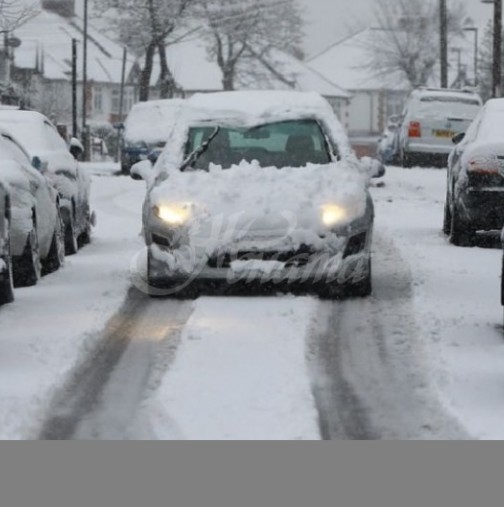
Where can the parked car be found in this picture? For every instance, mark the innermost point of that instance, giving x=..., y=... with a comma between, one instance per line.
x=40, y=138
x=388, y=151
x=6, y=279
x=259, y=186
x=431, y=119
x=475, y=190
x=36, y=228
x=145, y=130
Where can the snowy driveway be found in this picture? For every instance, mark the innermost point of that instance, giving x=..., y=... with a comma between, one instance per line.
x=423, y=358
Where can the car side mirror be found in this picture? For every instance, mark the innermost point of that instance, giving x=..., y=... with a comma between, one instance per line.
x=374, y=167
x=76, y=148
x=458, y=138
x=153, y=156
x=142, y=171
x=39, y=165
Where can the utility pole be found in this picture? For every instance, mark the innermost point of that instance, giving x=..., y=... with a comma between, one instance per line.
x=75, y=128
x=121, y=103
x=443, y=16
x=497, y=63
x=84, y=83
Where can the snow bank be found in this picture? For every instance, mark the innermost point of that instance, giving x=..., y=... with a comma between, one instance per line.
x=231, y=382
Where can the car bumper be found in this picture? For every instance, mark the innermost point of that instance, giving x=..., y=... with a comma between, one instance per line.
x=483, y=209
x=307, y=267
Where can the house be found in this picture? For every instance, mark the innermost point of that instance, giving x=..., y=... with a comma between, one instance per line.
x=374, y=98
x=43, y=65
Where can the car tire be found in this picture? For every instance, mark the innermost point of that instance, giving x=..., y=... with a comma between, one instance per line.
x=459, y=233
x=406, y=161
x=28, y=268
x=56, y=258
x=71, y=237
x=447, y=222
x=126, y=169
x=363, y=288
x=85, y=237
x=7, y=284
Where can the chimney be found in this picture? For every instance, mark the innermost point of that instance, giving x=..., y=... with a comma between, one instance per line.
x=65, y=8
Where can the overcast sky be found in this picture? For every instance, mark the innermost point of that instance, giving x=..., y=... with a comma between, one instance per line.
x=330, y=20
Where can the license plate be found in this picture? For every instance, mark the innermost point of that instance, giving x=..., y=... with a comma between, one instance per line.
x=445, y=134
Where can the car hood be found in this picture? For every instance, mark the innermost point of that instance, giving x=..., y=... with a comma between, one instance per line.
x=251, y=205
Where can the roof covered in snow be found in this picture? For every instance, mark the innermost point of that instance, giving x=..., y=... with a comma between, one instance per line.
x=47, y=47
x=195, y=71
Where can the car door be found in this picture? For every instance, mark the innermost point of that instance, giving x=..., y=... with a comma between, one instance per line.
x=45, y=196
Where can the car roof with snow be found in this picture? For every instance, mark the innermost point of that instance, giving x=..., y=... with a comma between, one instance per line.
x=251, y=107
x=146, y=121
x=440, y=93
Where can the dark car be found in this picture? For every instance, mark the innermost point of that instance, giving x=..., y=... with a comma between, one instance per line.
x=146, y=130
x=6, y=279
x=475, y=190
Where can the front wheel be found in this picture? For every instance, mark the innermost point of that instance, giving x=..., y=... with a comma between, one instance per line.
x=71, y=237
x=56, y=258
x=7, y=281
x=28, y=268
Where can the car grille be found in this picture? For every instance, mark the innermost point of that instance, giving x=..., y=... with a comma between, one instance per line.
x=292, y=258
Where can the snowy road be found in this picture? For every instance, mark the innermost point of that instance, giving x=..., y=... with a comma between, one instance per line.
x=421, y=359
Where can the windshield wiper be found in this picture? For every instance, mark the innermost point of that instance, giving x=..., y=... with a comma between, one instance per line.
x=196, y=154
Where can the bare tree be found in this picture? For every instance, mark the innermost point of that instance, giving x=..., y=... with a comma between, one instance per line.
x=14, y=13
x=406, y=38
x=145, y=27
x=243, y=30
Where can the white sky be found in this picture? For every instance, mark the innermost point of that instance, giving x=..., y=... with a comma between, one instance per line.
x=331, y=20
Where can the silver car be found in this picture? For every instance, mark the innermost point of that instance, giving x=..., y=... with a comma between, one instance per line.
x=263, y=188
x=431, y=119
x=41, y=140
x=36, y=230
x=6, y=280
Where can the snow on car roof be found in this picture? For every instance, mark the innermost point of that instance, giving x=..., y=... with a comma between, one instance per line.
x=253, y=106
x=150, y=122
x=447, y=94
x=248, y=109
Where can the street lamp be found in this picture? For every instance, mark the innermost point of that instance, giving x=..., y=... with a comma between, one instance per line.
x=497, y=52
x=476, y=49
x=443, y=16
x=84, y=81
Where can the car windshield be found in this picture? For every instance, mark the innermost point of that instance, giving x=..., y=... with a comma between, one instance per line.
x=449, y=106
x=284, y=144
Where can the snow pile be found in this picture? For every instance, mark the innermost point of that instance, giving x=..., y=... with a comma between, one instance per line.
x=251, y=203
x=151, y=122
x=231, y=382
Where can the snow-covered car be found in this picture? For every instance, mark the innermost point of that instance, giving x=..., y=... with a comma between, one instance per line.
x=475, y=189
x=41, y=140
x=6, y=279
x=36, y=229
x=146, y=129
x=431, y=119
x=259, y=187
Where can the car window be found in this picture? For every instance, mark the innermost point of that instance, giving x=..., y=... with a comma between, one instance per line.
x=284, y=144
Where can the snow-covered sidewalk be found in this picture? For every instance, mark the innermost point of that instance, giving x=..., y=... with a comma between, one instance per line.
x=47, y=332
x=456, y=299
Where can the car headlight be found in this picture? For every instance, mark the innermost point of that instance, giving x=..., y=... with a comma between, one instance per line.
x=333, y=215
x=173, y=214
